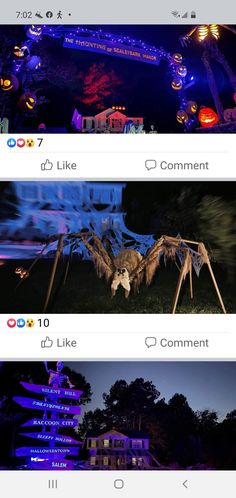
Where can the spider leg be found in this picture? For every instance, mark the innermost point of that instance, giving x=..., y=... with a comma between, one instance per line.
x=102, y=261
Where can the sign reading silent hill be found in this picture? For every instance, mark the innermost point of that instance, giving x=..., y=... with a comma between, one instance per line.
x=112, y=47
x=50, y=391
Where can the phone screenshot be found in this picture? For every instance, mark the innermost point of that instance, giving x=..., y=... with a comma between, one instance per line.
x=117, y=250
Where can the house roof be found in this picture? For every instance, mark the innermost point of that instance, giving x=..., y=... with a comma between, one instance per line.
x=131, y=434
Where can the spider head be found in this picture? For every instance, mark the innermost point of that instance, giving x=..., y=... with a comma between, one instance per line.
x=121, y=271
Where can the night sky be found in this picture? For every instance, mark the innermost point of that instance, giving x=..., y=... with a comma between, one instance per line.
x=207, y=385
x=145, y=89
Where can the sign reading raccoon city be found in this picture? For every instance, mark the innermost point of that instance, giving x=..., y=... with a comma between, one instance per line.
x=107, y=47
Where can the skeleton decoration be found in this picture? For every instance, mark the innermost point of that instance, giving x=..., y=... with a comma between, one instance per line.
x=56, y=378
x=129, y=268
x=208, y=35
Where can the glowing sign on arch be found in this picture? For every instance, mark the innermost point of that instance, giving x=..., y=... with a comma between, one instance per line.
x=114, y=48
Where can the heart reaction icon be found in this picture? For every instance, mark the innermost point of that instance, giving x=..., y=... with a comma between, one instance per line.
x=20, y=142
x=11, y=323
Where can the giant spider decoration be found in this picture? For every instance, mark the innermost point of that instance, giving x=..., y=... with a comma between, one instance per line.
x=129, y=268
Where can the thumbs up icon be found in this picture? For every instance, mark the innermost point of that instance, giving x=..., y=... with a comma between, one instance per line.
x=47, y=166
x=47, y=343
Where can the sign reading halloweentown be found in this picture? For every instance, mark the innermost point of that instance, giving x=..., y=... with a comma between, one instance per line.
x=109, y=47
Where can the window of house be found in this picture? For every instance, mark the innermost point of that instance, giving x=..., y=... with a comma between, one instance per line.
x=106, y=443
x=93, y=443
x=92, y=460
x=118, y=443
x=137, y=443
x=105, y=461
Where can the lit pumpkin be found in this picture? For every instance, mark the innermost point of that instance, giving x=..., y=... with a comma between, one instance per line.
x=33, y=63
x=191, y=107
x=9, y=83
x=208, y=117
x=27, y=102
x=177, y=58
x=182, y=116
x=34, y=32
x=181, y=71
x=234, y=114
x=177, y=84
x=227, y=115
x=21, y=52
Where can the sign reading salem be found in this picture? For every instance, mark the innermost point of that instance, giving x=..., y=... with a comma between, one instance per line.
x=112, y=48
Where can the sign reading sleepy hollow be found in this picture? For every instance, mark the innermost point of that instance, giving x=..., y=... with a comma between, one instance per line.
x=50, y=438
x=114, y=48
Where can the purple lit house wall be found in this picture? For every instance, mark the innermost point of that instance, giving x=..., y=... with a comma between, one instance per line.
x=48, y=208
x=114, y=450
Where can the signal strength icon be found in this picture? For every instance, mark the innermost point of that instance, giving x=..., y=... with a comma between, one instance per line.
x=185, y=16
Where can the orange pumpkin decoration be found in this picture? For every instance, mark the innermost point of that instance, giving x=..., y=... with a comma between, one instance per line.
x=177, y=58
x=27, y=102
x=9, y=83
x=191, y=107
x=182, y=116
x=177, y=84
x=208, y=117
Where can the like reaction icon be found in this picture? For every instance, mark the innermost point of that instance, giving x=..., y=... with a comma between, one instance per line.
x=47, y=343
x=47, y=166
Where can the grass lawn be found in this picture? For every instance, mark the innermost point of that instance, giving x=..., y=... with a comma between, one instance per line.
x=85, y=293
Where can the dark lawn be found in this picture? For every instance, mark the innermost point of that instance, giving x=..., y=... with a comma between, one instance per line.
x=85, y=293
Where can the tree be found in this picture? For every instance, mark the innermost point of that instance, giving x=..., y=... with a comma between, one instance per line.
x=217, y=227
x=98, y=84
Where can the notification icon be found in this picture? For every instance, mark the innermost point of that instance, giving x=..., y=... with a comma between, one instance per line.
x=11, y=323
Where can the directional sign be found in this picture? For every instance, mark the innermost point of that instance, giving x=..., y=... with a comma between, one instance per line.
x=52, y=464
x=47, y=452
x=46, y=436
x=51, y=391
x=62, y=422
x=46, y=405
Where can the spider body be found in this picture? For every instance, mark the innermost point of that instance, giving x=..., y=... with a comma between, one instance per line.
x=124, y=263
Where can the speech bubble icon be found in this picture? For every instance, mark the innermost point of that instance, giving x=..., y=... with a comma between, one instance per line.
x=150, y=164
x=150, y=342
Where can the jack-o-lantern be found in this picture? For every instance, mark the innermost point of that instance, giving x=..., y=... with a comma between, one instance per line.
x=27, y=102
x=182, y=116
x=33, y=63
x=207, y=117
x=227, y=115
x=21, y=52
x=177, y=84
x=177, y=58
x=234, y=114
x=34, y=32
x=9, y=83
x=191, y=107
x=181, y=71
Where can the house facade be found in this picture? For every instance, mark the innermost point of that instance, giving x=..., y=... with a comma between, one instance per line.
x=114, y=450
x=108, y=121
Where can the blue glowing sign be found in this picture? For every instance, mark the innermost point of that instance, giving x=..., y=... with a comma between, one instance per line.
x=51, y=391
x=63, y=422
x=48, y=437
x=37, y=404
x=47, y=452
x=112, y=47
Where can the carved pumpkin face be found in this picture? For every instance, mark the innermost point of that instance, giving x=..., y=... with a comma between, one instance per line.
x=182, y=117
x=27, y=102
x=181, y=71
x=208, y=117
x=34, y=32
x=177, y=58
x=191, y=107
x=21, y=52
x=9, y=83
x=228, y=115
x=177, y=84
x=33, y=63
